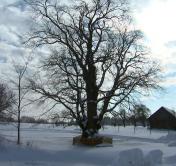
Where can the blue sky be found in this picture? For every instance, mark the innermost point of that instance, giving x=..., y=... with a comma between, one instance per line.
x=154, y=17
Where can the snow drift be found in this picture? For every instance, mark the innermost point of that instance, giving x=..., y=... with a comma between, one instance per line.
x=135, y=157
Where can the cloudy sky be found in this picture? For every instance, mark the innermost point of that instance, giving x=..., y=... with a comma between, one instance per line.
x=156, y=18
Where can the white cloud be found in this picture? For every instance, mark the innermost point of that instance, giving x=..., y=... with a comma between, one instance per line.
x=8, y=36
x=156, y=20
x=169, y=82
x=14, y=23
x=6, y=2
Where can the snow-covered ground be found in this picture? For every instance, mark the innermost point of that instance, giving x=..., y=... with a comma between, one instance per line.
x=46, y=145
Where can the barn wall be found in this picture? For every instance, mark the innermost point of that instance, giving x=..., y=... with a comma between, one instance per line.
x=162, y=119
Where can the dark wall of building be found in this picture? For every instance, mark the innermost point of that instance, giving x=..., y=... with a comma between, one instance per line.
x=162, y=119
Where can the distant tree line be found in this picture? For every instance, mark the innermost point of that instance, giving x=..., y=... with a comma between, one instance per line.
x=28, y=119
x=6, y=117
x=137, y=116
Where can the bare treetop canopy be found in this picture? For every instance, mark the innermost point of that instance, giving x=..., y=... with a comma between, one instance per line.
x=97, y=61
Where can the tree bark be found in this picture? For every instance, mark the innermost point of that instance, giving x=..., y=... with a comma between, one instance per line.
x=19, y=109
x=92, y=95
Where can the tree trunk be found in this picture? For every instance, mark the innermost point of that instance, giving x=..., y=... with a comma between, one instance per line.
x=18, y=139
x=124, y=123
x=143, y=122
x=92, y=116
x=92, y=95
x=19, y=110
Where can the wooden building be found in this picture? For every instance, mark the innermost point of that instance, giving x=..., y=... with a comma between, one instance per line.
x=163, y=118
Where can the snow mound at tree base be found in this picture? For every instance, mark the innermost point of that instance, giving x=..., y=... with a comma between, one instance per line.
x=98, y=140
x=135, y=157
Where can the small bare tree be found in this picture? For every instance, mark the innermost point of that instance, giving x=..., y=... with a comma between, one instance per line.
x=98, y=62
x=20, y=70
x=142, y=113
x=21, y=90
x=123, y=116
x=120, y=115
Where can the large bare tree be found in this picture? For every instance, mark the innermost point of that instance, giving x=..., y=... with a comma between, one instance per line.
x=97, y=62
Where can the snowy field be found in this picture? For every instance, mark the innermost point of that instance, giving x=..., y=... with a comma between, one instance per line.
x=46, y=145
